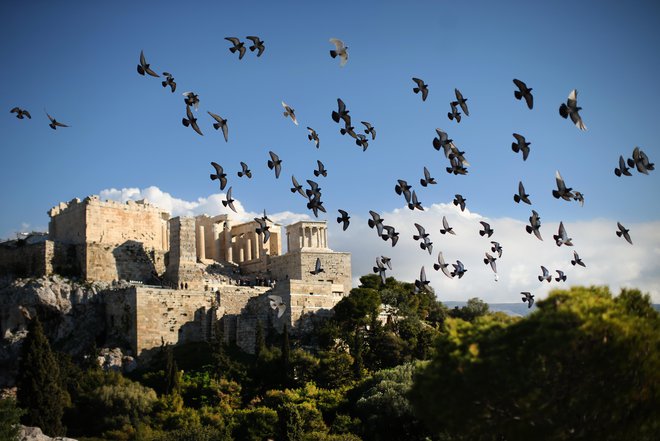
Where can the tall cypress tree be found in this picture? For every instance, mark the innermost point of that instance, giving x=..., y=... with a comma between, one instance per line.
x=259, y=340
x=286, y=356
x=40, y=390
x=171, y=372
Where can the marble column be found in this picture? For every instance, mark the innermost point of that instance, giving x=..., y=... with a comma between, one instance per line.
x=248, y=249
x=201, y=245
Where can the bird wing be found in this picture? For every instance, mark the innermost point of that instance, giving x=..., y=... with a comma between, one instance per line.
x=143, y=61
x=193, y=124
x=339, y=45
x=273, y=156
x=519, y=138
x=572, y=99
x=234, y=40
x=215, y=117
x=560, y=181
x=522, y=86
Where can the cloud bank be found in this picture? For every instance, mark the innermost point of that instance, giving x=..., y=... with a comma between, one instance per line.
x=610, y=260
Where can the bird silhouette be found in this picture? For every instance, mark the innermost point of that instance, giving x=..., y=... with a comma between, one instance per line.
x=524, y=92
x=238, y=45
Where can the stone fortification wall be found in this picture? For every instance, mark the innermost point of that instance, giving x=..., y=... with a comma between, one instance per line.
x=23, y=260
x=297, y=265
x=182, y=262
x=68, y=222
x=128, y=261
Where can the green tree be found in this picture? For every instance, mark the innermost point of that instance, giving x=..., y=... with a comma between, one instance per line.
x=172, y=376
x=10, y=417
x=40, y=391
x=474, y=309
x=583, y=366
x=285, y=361
x=259, y=340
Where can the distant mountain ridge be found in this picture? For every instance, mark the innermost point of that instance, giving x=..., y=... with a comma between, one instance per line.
x=515, y=309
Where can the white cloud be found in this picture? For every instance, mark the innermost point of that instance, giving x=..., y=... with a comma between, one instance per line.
x=610, y=260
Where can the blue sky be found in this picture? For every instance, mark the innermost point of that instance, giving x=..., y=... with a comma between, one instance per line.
x=78, y=61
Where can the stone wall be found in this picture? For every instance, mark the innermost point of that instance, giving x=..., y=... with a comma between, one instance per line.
x=128, y=261
x=296, y=265
x=20, y=259
x=182, y=263
x=68, y=222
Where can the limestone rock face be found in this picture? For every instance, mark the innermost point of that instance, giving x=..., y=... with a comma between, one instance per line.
x=114, y=359
x=35, y=434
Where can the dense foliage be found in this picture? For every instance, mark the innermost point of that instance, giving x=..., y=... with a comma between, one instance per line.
x=390, y=364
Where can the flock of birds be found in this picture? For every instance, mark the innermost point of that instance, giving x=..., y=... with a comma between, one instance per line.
x=457, y=165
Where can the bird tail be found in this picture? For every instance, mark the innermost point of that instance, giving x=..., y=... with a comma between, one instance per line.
x=371, y=223
x=458, y=118
x=423, y=182
x=515, y=147
x=224, y=203
x=528, y=229
x=140, y=70
x=481, y=233
x=517, y=94
x=252, y=48
x=486, y=261
x=216, y=126
x=556, y=194
x=563, y=111
x=185, y=122
x=214, y=177
x=617, y=172
x=333, y=54
x=316, y=173
x=232, y=49
x=270, y=164
x=436, y=266
x=416, y=89
x=516, y=198
x=335, y=116
x=619, y=233
x=164, y=83
x=573, y=262
x=443, y=231
x=450, y=116
x=240, y=174
x=540, y=277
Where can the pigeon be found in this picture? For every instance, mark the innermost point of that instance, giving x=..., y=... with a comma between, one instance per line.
x=441, y=265
x=320, y=171
x=245, y=171
x=191, y=121
x=315, y=204
x=257, y=45
x=317, y=267
x=277, y=304
x=521, y=196
x=314, y=189
x=562, y=191
x=421, y=87
x=376, y=221
x=546, y=275
x=561, y=277
x=490, y=260
x=265, y=217
x=423, y=235
x=571, y=109
x=422, y=283
x=579, y=197
x=445, y=227
x=297, y=187
x=459, y=269
x=622, y=169
x=524, y=92
x=275, y=163
x=370, y=130
x=402, y=187
x=340, y=51
x=54, y=124
x=341, y=113
x=380, y=269
x=623, y=232
x=362, y=141
x=191, y=99
x=390, y=234
x=169, y=81
x=229, y=202
x=143, y=67
x=454, y=114
x=344, y=218
x=460, y=201
x=313, y=136
x=427, y=180
x=487, y=229
x=520, y=146
x=289, y=112
x=529, y=298
x=534, y=225
x=414, y=203
x=461, y=102
x=641, y=161
x=561, y=238
x=387, y=261
x=348, y=128
x=576, y=260
x=238, y=45
x=219, y=175
x=442, y=141
x=456, y=167
x=220, y=123
x=263, y=228
x=20, y=113
x=496, y=248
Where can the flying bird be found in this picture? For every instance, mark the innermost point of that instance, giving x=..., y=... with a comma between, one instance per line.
x=344, y=218
x=456, y=167
x=460, y=201
x=263, y=228
x=623, y=232
x=524, y=92
x=426, y=244
x=442, y=141
x=496, y=248
x=341, y=113
x=414, y=202
x=370, y=130
x=427, y=180
x=562, y=191
x=441, y=265
x=520, y=146
x=54, y=124
x=459, y=269
x=521, y=196
x=219, y=175
x=421, y=87
x=576, y=260
x=454, y=114
x=313, y=136
x=380, y=269
x=461, y=102
x=257, y=45
x=570, y=108
x=376, y=221
x=362, y=141
x=317, y=267
x=20, y=113
x=622, y=169
x=561, y=277
x=275, y=163
x=579, y=197
x=315, y=204
x=421, y=283
x=229, y=202
x=340, y=51
x=238, y=45
x=314, y=189
x=220, y=123
x=561, y=238
x=534, y=225
x=546, y=275
x=143, y=67
x=169, y=81
x=191, y=99
x=321, y=170
x=487, y=229
x=277, y=304
x=641, y=161
x=289, y=112
x=527, y=297
x=191, y=121
x=297, y=187
x=390, y=234
x=445, y=227
x=490, y=260
x=402, y=188
x=245, y=171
